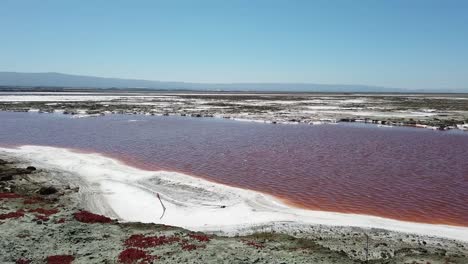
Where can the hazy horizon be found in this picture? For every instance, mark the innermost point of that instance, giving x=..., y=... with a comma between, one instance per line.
x=63, y=80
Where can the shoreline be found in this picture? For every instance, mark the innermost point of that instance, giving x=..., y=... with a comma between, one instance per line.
x=204, y=200
x=84, y=113
x=282, y=200
x=38, y=227
x=434, y=112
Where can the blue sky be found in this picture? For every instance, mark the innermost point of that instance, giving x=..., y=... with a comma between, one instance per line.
x=394, y=43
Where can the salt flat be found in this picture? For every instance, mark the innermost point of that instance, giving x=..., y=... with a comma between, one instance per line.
x=428, y=109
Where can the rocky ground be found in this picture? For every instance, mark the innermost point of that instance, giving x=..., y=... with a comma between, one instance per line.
x=435, y=111
x=43, y=221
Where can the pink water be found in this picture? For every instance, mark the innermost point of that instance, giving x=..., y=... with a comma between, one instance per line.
x=401, y=173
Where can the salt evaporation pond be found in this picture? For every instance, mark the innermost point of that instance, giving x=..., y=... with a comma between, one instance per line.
x=400, y=173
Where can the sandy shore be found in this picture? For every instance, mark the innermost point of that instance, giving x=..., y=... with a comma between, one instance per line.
x=37, y=227
x=112, y=188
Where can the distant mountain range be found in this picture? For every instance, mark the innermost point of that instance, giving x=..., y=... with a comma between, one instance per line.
x=52, y=79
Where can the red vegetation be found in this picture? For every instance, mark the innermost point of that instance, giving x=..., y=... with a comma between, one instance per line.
x=33, y=200
x=44, y=212
x=17, y=214
x=60, y=221
x=133, y=255
x=200, y=237
x=87, y=217
x=253, y=244
x=23, y=261
x=189, y=247
x=60, y=259
x=9, y=195
x=142, y=241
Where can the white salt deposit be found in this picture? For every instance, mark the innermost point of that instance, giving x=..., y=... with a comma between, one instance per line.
x=195, y=203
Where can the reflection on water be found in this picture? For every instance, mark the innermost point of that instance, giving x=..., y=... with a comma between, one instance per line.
x=401, y=173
